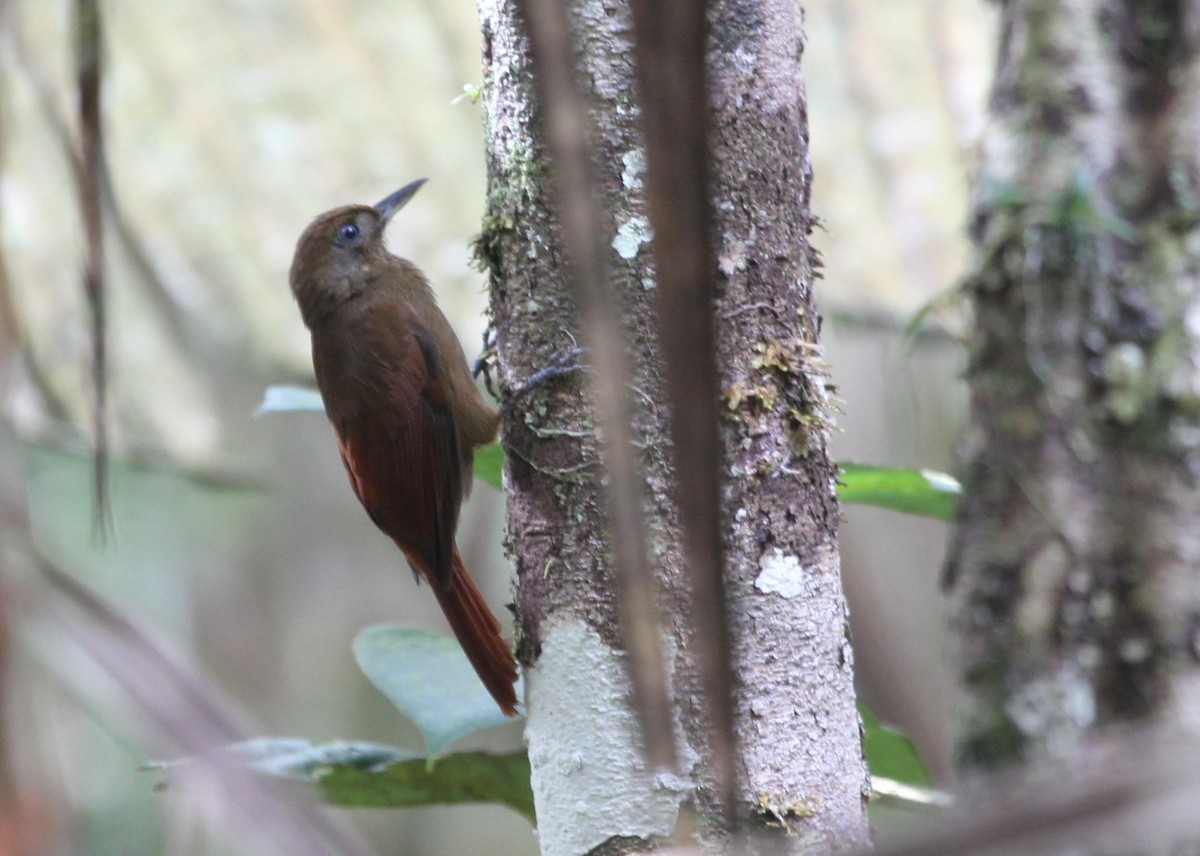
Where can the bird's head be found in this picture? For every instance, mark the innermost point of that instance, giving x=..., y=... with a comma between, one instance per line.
x=334, y=255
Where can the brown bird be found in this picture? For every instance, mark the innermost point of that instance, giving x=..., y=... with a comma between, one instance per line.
x=405, y=407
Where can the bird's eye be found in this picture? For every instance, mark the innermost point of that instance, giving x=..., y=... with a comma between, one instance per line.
x=348, y=233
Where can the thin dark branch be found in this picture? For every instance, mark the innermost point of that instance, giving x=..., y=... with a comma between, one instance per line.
x=670, y=39
x=184, y=333
x=568, y=127
x=89, y=37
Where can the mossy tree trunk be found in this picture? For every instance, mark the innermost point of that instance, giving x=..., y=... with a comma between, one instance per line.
x=800, y=759
x=1075, y=565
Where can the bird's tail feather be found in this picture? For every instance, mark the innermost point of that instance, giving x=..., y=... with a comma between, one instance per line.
x=478, y=632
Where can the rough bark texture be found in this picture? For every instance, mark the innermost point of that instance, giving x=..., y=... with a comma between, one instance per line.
x=800, y=756
x=1074, y=565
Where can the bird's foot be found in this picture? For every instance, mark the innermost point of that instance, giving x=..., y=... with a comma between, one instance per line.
x=483, y=365
x=562, y=362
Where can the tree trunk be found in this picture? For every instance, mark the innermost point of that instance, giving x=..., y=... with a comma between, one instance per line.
x=800, y=764
x=1074, y=564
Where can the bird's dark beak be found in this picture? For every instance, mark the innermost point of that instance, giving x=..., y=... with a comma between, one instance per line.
x=397, y=200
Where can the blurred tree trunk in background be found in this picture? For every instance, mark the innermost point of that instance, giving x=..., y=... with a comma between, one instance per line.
x=1074, y=564
x=801, y=772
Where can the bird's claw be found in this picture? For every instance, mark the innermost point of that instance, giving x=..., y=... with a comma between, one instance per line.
x=483, y=365
x=564, y=361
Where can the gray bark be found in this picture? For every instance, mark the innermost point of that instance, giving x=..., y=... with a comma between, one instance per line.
x=800, y=762
x=1074, y=564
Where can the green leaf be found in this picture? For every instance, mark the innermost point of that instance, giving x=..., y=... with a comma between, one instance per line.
x=296, y=758
x=351, y=773
x=924, y=492
x=290, y=399
x=458, y=778
x=489, y=463
x=890, y=754
x=429, y=679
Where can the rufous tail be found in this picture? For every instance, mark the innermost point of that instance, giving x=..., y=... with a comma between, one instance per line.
x=478, y=632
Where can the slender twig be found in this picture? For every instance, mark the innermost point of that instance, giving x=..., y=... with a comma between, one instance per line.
x=88, y=35
x=568, y=129
x=669, y=48
x=128, y=239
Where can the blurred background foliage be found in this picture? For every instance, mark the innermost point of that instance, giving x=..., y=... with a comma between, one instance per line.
x=229, y=125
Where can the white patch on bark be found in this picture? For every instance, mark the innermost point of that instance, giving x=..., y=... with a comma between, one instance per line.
x=780, y=574
x=631, y=235
x=590, y=781
x=734, y=258
x=634, y=162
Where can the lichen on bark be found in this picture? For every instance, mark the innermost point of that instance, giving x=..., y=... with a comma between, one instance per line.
x=801, y=765
x=1073, y=563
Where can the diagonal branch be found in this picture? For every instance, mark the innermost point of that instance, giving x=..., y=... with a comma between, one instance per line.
x=193, y=718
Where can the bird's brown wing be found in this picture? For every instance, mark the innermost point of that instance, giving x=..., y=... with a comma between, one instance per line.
x=401, y=447
x=399, y=441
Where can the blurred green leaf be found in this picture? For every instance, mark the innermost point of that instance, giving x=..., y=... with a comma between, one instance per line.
x=296, y=758
x=458, y=778
x=489, y=463
x=361, y=774
x=290, y=399
x=890, y=754
x=299, y=759
x=924, y=492
x=429, y=679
